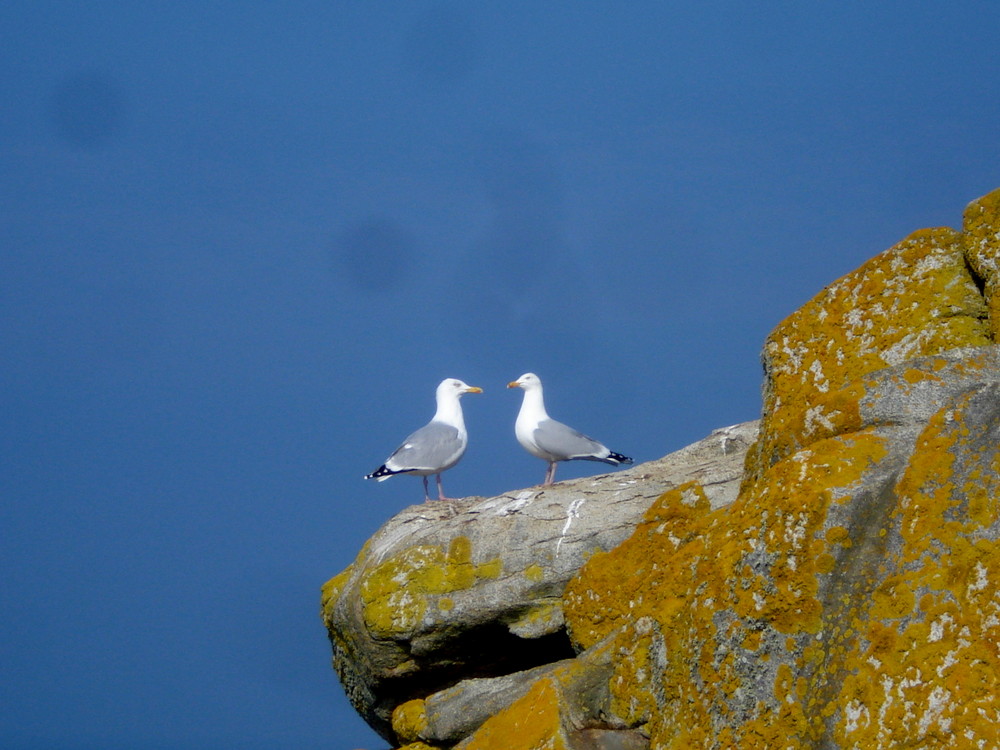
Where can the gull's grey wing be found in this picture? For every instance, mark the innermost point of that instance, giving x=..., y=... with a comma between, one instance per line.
x=563, y=442
x=431, y=448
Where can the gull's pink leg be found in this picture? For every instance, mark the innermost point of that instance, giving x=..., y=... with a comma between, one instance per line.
x=441, y=489
x=550, y=475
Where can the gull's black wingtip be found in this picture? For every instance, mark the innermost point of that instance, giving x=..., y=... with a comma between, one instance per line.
x=380, y=473
x=619, y=458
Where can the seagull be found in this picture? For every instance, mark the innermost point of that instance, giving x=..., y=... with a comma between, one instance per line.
x=435, y=447
x=550, y=440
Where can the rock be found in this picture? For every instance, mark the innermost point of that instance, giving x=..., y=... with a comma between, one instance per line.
x=981, y=238
x=607, y=739
x=567, y=707
x=450, y=715
x=850, y=599
x=846, y=596
x=917, y=298
x=448, y=592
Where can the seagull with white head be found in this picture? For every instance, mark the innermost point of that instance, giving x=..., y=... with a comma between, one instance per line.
x=550, y=440
x=435, y=447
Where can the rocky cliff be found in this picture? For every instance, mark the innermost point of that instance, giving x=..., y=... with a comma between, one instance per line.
x=825, y=579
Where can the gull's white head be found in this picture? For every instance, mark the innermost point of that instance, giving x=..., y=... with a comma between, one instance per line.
x=529, y=381
x=453, y=387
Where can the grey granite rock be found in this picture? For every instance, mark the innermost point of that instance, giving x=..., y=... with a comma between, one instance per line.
x=445, y=592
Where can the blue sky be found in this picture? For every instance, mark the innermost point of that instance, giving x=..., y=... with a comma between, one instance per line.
x=243, y=242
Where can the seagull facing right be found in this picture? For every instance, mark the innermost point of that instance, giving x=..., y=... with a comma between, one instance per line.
x=435, y=447
x=550, y=440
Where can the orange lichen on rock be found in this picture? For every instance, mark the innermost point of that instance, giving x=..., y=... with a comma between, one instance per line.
x=814, y=613
x=917, y=298
x=707, y=601
x=531, y=723
x=981, y=237
x=767, y=624
x=595, y=596
x=927, y=671
x=409, y=720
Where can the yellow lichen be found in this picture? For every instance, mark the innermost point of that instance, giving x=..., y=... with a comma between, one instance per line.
x=544, y=615
x=981, y=239
x=592, y=599
x=917, y=298
x=490, y=569
x=396, y=593
x=838, y=535
x=533, y=722
x=928, y=668
x=761, y=561
x=330, y=592
x=409, y=720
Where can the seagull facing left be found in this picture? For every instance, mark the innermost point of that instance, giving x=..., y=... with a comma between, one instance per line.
x=550, y=440
x=435, y=447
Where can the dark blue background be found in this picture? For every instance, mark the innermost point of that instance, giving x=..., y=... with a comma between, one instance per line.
x=242, y=242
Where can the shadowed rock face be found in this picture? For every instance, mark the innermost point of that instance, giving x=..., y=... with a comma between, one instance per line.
x=846, y=596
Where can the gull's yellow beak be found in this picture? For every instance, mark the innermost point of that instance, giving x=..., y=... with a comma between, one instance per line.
x=513, y=384
x=474, y=389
